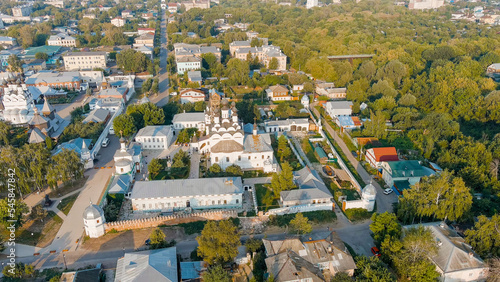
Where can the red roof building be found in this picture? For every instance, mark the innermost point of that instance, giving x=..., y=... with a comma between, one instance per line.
x=375, y=156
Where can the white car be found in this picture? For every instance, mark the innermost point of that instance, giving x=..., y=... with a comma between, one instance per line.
x=105, y=142
x=388, y=191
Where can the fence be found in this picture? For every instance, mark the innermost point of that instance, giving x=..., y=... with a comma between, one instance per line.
x=301, y=208
x=170, y=220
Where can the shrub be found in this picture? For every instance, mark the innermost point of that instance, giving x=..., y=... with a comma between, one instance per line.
x=357, y=214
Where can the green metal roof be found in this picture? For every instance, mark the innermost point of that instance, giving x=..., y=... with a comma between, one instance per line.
x=407, y=169
x=321, y=153
x=49, y=50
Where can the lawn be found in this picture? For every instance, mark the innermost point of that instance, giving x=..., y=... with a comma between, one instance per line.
x=264, y=197
x=67, y=188
x=67, y=203
x=308, y=149
x=315, y=217
x=39, y=233
x=292, y=159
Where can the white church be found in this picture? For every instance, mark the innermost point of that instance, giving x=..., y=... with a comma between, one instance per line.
x=18, y=103
x=226, y=142
x=93, y=221
x=367, y=202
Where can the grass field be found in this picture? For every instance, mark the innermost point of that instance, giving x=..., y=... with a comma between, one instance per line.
x=67, y=203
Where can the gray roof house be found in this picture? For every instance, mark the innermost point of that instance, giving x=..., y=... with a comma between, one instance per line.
x=153, y=265
x=179, y=194
x=195, y=76
x=311, y=190
x=293, y=259
x=455, y=260
x=97, y=115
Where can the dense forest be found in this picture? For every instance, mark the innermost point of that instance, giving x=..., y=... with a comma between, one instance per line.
x=427, y=75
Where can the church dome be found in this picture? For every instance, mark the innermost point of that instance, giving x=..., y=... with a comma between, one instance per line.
x=93, y=212
x=305, y=99
x=369, y=190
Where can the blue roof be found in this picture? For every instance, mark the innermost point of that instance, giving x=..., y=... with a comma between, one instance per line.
x=321, y=153
x=346, y=121
x=74, y=145
x=191, y=269
x=120, y=184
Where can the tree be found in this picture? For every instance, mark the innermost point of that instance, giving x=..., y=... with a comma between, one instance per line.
x=282, y=181
x=49, y=143
x=216, y=274
x=42, y=55
x=255, y=42
x=411, y=261
x=442, y=196
x=300, y=224
x=273, y=64
x=383, y=225
x=218, y=242
x=19, y=209
x=155, y=88
x=253, y=245
x=485, y=236
x=38, y=213
x=157, y=238
x=234, y=170
x=283, y=149
x=376, y=126
x=154, y=167
x=20, y=271
x=372, y=269
x=215, y=169
x=237, y=71
x=146, y=86
x=341, y=277
x=124, y=124
x=66, y=167
x=27, y=34
x=15, y=64
x=183, y=136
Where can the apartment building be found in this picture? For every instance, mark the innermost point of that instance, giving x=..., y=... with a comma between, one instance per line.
x=85, y=60
x=61, y=39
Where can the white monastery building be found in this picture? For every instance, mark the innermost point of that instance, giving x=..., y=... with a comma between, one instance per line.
x=181, y=194
x=155, y=137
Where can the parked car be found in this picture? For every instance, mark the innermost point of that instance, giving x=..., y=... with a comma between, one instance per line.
x=354, y=154
x=388, y=191
x=328, y=170
x=148, y=241
x=375, y=251
x=105, y=142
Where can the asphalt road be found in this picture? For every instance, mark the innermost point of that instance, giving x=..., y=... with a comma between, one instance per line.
x=384, y=202
x=162, y=98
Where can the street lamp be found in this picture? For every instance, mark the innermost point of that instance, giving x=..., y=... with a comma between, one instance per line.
x=64, y=257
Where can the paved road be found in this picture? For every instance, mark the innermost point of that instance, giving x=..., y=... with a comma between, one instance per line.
x=162, y=98
x=194, y=171
x=361, y=243
x=384, y=202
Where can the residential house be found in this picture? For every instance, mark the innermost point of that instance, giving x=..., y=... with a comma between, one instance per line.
x=7, y=41
x=155, y=137
x=400, y=175
x=118, y=21
x=291, y=124
x=172, y=7
x=189, y=120
x=97, y=116
x=111, y=104
x=55, y=79
x=89, y=16
x=5, y=54
x=493, y=69
x=313, y=260
x=425, y=4
x=348, y=122
x=187, y=64
x=376, y=156
x=200, y=4
x=61, y=39
x=455, y=260
x=152, y=265
x=329, y=90
x=338, y=108
x=22, y=11
x=191, y=96
x=85, y=60
x=145, y=30
x=180, y=194
x=147, y=39
x=311, y=190
x=35, y=65
x=235, y=45
x=195, y=76
x=148, y=51
x=265, y=54
x=279, y=93
x=194, y=50
x=93, y=274
x=127, y=14
x=118, y=93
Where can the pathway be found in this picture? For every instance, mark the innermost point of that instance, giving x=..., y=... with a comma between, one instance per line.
x=194, y=172
x=301, y=152
x=384, y=202
x=163, y=97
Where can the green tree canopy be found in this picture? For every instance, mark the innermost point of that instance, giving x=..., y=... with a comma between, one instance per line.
x=282, y=181
x=218, y=242
x=216, y=274
x=485, y=236
x=300, y=224
x=384, y=224
x=125, y=124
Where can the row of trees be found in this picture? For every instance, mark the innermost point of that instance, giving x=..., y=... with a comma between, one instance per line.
x=35, y=167
x=137, y=117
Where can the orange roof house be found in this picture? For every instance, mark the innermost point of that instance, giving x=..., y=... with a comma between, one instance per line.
x=375, y=156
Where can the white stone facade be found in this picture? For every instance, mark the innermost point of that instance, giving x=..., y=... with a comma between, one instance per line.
x=18, y=104
x=85, y=60
x=155, y=137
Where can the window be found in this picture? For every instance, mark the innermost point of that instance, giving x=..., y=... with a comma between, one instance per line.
x=239, y=158
x=248, y=157
x=98, y=221
x=227, y=159
x=237, y=201
x=262, y=156
x=213, y=202
x=225, y=202
x=218, y=202
x=216, y=159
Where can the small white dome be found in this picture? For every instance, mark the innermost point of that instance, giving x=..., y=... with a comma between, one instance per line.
x=369, y=190
x=93, y=212
x=305, y=98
